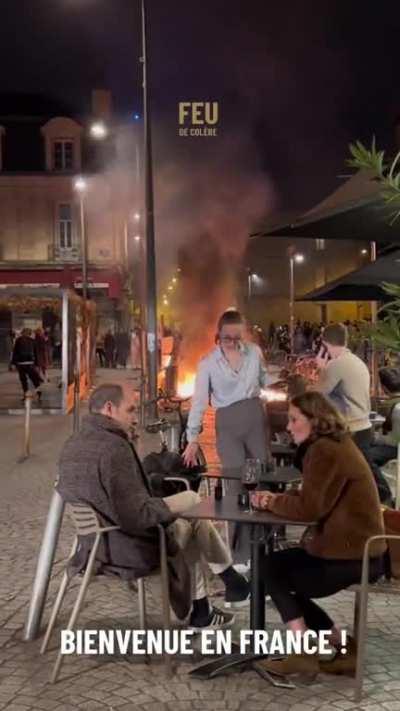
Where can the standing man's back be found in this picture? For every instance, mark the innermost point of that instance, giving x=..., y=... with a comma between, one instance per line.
x=345, y=379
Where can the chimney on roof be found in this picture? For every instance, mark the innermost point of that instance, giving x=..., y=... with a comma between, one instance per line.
x=102, y=104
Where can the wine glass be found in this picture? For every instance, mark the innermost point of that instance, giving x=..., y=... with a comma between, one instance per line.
x=251, y=474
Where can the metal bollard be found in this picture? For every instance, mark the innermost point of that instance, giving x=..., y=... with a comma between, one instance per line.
x=27, y=432
x=44, y=566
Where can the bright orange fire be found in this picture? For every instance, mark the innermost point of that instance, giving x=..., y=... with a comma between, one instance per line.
x=186, y=385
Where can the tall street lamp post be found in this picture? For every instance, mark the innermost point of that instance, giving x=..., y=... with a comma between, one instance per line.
x=80, y=186
x=151, y=284
x=249, y=283
x=294, y=258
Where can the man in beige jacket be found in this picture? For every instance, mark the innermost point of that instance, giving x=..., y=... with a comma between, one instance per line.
x=345, y=379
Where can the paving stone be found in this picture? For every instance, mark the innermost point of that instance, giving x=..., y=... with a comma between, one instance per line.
x=115, y=701
x=87, y=706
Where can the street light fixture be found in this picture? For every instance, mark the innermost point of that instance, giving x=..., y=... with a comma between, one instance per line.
x=98, y=130
x=137, y=238
x=80, y=184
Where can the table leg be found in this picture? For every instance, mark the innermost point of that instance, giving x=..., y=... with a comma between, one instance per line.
x=211, y=669
x=257, y=601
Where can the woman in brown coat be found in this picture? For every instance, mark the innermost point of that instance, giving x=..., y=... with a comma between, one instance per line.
x=339, y=493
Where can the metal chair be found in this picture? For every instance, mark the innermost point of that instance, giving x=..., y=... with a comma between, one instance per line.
x=86, y=523
x=392, y=471
x=387, y=587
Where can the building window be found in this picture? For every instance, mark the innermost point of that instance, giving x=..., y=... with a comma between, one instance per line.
x=320, y=245
x=65, y=226
x=63, y=154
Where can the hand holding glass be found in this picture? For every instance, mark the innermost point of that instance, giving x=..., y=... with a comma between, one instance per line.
x=251, y=476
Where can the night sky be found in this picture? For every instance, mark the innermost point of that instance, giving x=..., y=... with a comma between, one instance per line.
x=298, y=79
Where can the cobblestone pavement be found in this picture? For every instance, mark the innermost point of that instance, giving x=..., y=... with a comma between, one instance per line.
x=126, y=683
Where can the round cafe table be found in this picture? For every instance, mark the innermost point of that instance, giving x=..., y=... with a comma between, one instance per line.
x=261, y=523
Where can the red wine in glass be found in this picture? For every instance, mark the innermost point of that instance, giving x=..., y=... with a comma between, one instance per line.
x=251, y=475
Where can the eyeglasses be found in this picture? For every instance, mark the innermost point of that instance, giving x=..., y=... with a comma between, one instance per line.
x=231, y=339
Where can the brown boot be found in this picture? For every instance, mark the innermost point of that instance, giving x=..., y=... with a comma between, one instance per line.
x=300, y=664
x=342, y=663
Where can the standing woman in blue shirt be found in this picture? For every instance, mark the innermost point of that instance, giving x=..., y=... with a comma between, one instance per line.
x=230, y=377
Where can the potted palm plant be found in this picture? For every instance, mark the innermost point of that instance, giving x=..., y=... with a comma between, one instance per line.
x=385, y=333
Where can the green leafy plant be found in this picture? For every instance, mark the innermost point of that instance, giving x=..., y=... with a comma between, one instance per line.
x=385, y=333
x=386, y=173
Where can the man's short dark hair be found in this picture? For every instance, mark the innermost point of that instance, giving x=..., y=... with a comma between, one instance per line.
x=108, y=392
x=335, y=334
x=390, y=379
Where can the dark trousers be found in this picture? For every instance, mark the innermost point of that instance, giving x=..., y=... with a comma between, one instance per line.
x=110, y=359
x=102, y=356
x=382, y=453
x=28, y=371
x=293, y=577
x=363, y=440
x=241, y=433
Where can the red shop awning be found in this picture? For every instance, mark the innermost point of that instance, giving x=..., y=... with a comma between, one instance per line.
x=68, y=278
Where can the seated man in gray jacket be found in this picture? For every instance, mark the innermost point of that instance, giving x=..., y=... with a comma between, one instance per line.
x=100, y=467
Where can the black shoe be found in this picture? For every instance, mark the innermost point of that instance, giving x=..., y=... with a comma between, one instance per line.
x=216, y=620
x=238, y=595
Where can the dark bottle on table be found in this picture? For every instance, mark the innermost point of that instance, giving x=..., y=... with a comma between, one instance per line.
x=218, y=490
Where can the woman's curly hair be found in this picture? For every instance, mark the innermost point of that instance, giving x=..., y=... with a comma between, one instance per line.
x=325, y=419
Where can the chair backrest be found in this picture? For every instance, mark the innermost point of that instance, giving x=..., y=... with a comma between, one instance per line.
x=84, y=519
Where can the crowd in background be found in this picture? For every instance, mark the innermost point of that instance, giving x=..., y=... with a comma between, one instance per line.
x=115, y=350
x=307, y=337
